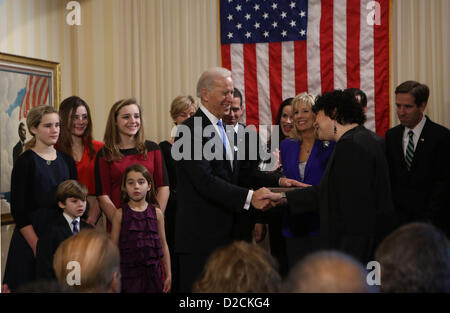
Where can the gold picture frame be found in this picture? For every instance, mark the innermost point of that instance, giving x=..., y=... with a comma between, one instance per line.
x=24, y=83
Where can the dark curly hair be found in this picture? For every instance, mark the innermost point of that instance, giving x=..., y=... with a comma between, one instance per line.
x=340, y=106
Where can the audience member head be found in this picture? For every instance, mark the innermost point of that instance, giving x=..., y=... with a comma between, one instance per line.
x=327, y=272
x=37, y=119
x=72, y=197
x=128, y=180
x=236, y=109
x=411, y=99
x=182, y=108
x=284, y=118
x=124, y=121
x=303, y=114
x=415, y=258
x=75, y=122
x=22, y=131
x=240, y=267
x=336, y=108
x=95, y=256
x=215, y=89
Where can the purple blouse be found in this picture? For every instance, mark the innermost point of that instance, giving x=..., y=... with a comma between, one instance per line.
x=315, y=167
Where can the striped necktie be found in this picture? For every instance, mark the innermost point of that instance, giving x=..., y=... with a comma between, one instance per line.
x=409, y=150
x=75, y=227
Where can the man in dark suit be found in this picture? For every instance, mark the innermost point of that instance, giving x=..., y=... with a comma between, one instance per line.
x=208, y=195
x=249, y=174
x=418, y=153
x=18, y=148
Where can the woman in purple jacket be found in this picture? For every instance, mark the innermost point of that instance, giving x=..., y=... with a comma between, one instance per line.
x=303, y=158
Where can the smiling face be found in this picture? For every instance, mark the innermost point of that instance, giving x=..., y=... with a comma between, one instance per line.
x=218, y=100
x=304, y=117
x=324, y=126
x=79, y=121
x=47, y=132
x=136, y=186
x=408, y=112
x=234, y=113
x=74, y=207
x=128, y=120
x=286, y=120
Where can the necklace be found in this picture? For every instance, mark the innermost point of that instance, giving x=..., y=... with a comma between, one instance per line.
x=48, y=162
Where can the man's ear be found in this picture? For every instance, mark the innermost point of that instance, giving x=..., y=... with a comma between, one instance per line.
x=423, y=106
x=204, y=94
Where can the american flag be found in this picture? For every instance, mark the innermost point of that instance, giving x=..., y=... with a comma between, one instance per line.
x=277, y=49
x=36, y=93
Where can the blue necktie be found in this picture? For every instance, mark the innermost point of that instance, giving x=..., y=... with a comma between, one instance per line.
x=224, y=139
x=75, y=227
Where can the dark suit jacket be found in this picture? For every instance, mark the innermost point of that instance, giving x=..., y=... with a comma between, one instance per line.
x=353, y=195
x=47, y=245
x=17, y=150
x=246, y=142
x=421, y=194
x=207, y=192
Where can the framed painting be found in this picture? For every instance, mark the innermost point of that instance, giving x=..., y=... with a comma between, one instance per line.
x=24, y=84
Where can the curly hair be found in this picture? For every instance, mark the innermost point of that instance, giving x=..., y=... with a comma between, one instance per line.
x=340, y=106
x=237, y=268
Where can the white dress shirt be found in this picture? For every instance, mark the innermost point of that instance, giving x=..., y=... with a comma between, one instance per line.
x=69, y=220
x=416, y=130
x=214, y=121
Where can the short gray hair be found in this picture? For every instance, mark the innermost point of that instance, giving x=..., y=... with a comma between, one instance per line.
x=207, y=78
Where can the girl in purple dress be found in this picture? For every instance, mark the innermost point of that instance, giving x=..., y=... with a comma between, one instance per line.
x=138, y=230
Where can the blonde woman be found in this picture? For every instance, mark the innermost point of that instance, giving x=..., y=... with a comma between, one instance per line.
x=36, y=175
x=124, y=146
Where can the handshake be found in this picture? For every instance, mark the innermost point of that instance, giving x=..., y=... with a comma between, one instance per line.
x=264, y=199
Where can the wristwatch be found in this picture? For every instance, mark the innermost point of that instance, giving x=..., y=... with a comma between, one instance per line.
x=283, y=195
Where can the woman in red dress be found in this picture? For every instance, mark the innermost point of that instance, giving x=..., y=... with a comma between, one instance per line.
x=76, y=140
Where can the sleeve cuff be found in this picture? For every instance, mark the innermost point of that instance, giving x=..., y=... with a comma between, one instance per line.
x=248, y=201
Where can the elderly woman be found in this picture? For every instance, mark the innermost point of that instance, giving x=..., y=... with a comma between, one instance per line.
x=303, y=158
x=355, y=188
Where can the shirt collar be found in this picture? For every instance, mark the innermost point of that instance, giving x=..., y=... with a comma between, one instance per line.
x=209, y=115
x=69, y=219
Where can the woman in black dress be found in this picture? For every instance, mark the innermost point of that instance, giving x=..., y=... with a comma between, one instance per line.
x=181, y=109
x=36, y=175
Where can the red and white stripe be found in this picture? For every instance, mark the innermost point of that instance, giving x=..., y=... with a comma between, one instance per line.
x=341, y=51
x=37, y=92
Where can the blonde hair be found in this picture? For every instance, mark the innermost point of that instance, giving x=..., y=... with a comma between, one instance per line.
x=239, y=267
x=111, y=149
x=181, y=104
x=301, y=98
x=97, y=256
x=34, y=118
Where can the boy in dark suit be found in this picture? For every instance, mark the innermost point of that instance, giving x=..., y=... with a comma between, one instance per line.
x=71, y=196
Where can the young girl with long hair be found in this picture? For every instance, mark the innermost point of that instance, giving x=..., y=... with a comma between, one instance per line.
x=36, y=175
x=138, y=230
x=125, y=146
